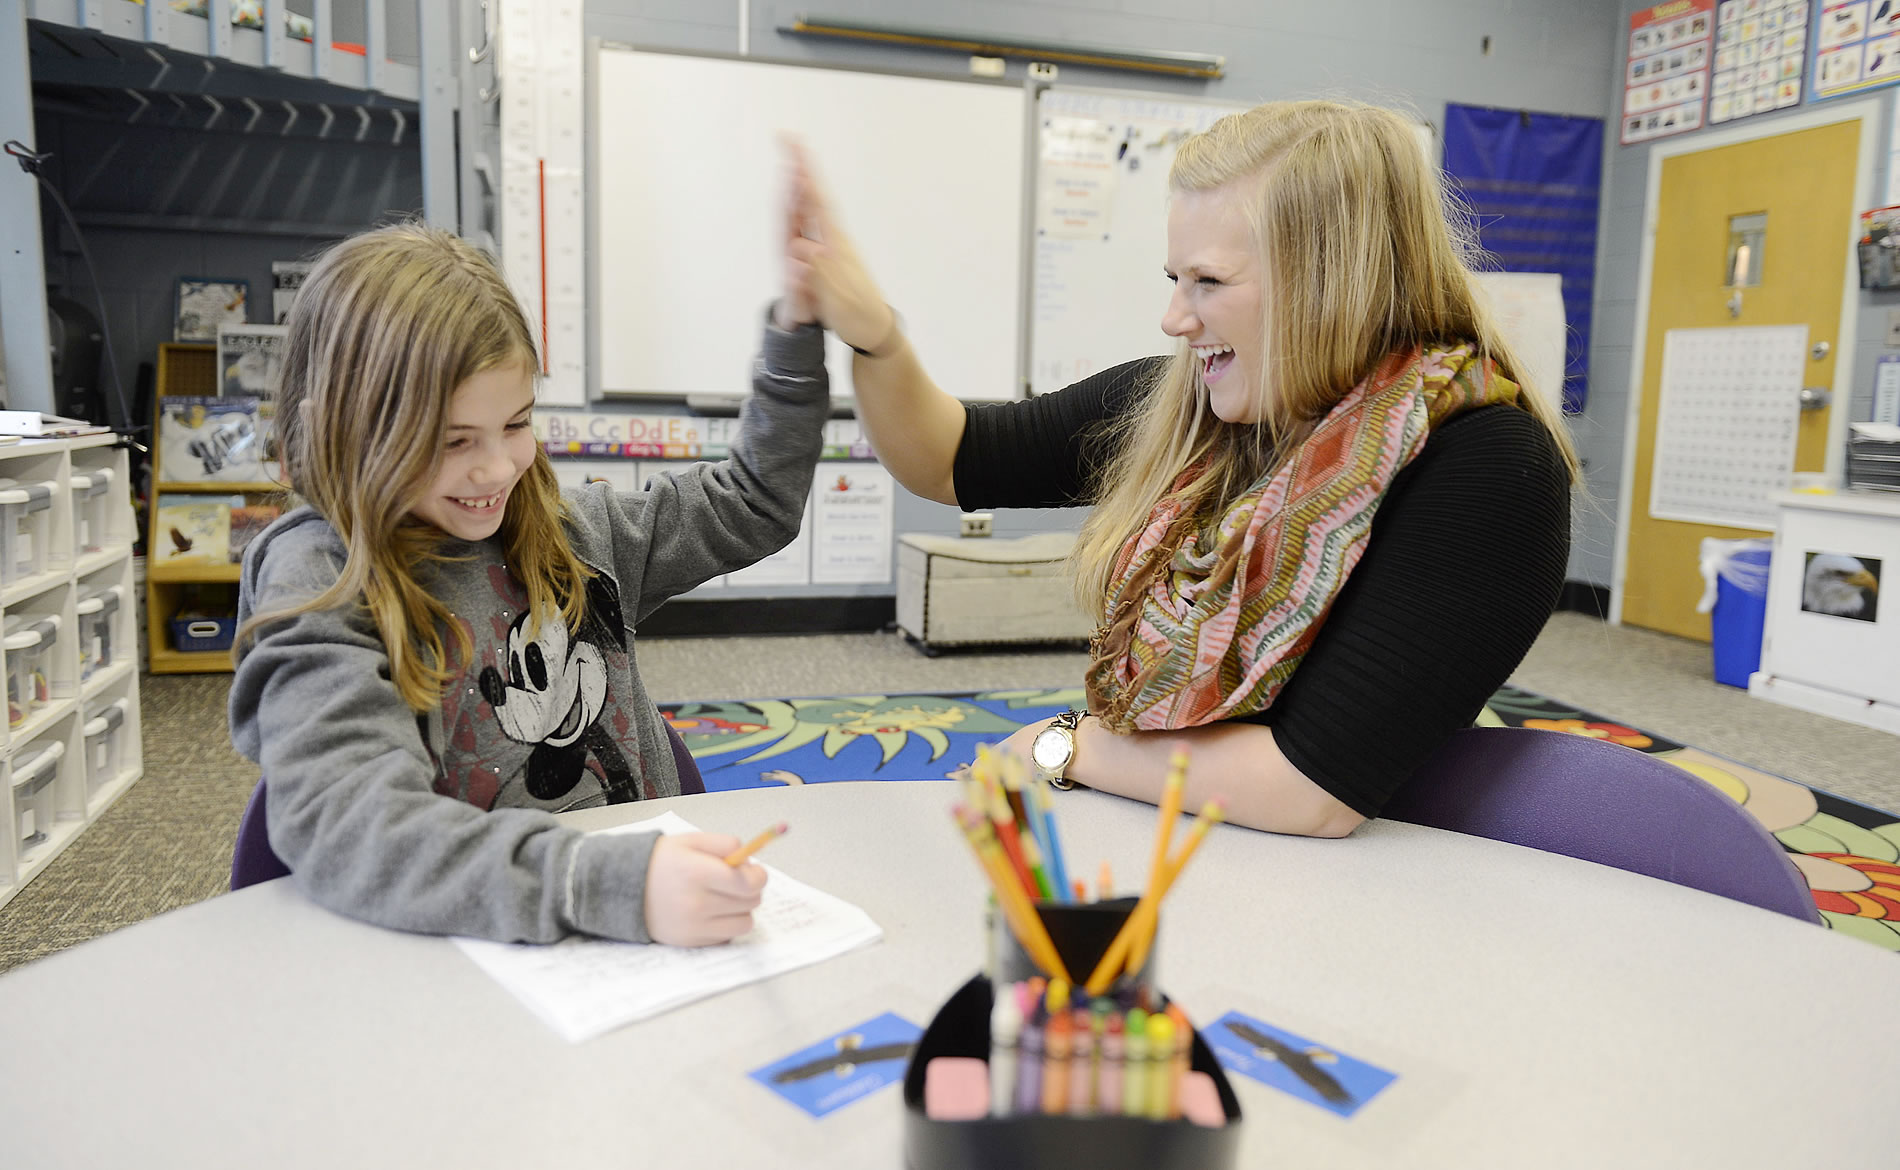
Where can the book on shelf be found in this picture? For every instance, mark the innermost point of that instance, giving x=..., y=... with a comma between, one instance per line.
x=251, y=359
x=286, y=277
x=215, y=440
x=33, y=424
x=194, y=530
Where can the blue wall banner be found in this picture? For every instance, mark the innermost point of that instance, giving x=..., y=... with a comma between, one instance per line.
x=1533, y=182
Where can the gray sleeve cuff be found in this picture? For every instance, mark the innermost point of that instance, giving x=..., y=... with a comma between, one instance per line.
x=607, y=885
x=794, y=355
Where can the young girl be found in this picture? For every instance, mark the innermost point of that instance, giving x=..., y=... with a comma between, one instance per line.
x=437, y=652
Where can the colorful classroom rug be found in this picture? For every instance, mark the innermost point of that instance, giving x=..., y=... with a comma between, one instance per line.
x=1849, y=853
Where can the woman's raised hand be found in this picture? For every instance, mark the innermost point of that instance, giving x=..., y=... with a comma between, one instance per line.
x=823, y=266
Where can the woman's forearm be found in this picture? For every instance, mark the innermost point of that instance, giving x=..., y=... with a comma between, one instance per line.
x=1237, y=762
x=914, y=426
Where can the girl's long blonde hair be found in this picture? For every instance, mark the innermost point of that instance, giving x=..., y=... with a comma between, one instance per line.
x=1363, y=254
x=387, y=325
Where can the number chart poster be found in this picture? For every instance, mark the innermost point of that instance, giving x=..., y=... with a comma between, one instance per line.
x=1761, y=50
x=1670, y=49
x=1856, y=47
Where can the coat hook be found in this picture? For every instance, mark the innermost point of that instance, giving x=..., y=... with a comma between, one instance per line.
x=289, y=121
x=402, y=124
x=217, y=110
x=257, y=112
x=490, y=92
x=362, y=123
x=144, y=102
x=329, y=116
x=478, y=55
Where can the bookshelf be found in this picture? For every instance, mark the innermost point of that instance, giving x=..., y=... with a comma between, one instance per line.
x=70, y=745
x=187, y=370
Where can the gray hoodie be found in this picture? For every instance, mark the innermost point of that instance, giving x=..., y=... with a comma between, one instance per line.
x=441, y=822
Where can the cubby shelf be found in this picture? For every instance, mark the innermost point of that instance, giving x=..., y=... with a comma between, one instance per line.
x=78, y=793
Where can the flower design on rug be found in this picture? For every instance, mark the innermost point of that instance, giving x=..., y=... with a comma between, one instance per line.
x=1614, y=732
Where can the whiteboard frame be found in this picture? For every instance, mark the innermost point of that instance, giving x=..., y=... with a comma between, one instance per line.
x=841, y=397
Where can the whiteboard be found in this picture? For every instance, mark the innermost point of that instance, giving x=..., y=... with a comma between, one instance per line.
x=1726, y=426
x=1101, y=228
x=925, y=174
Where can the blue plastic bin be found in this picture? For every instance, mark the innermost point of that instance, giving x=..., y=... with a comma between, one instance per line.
x=1737, y=620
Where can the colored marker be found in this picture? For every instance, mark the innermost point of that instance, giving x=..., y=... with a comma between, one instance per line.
x=1135, y=1065
x=1006, y=1025
x=739, y=855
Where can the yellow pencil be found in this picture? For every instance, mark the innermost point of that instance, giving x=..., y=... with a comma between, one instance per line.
x=1212, y=813
x=1171, y=791
x=1137, y=932
x=739, y=855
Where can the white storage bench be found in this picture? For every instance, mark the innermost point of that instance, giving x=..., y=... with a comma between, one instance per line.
x=955, y=591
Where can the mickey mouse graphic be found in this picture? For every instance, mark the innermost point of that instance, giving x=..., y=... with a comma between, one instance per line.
x=551, y=696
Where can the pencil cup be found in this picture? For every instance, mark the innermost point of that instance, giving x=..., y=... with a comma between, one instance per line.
x=961, y=1028
x=1081, y=931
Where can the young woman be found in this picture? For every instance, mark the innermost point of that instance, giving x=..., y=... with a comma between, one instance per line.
x=1324, y=530
x=437, y=652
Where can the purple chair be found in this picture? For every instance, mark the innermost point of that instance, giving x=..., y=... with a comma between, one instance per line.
x=255, y=861
x=1606, y=803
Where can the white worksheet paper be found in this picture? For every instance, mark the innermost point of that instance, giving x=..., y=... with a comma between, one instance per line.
x=586, y=987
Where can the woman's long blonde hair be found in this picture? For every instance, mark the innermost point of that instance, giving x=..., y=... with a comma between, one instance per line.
x=387, y=325
x=1363, y=254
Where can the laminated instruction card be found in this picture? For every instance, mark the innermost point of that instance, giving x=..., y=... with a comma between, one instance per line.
x=585, y=987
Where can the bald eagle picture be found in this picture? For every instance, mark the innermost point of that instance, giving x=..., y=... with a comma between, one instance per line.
x=1844, y=586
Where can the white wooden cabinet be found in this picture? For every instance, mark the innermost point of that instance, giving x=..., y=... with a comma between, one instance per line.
x=1831, y=638
x=58, y=778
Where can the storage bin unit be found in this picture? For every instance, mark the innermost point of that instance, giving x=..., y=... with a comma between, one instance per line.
x=51, y=618
x=26, y=513
x=953, y=591
x=98, y=612
x=29, y=646
x=104, y=731
x=92, y=491
x=35, y=800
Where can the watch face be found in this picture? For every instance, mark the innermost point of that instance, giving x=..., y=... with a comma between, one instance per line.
x=1050, y=750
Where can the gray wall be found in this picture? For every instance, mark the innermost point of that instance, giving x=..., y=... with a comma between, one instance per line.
x=1601, y=430
x=1552, y=56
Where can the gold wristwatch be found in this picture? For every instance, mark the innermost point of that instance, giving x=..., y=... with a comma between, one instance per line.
x=1054, y=748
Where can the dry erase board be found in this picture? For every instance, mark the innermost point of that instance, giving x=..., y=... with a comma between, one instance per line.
x=927, y=175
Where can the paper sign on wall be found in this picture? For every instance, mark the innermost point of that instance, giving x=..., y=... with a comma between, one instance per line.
x=1667, y=78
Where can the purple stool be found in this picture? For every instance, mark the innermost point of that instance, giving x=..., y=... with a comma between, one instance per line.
x=1602, y=802
x=255, y=861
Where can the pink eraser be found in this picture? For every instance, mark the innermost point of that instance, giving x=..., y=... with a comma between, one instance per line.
x=957, y=1088
x=1200, y=1101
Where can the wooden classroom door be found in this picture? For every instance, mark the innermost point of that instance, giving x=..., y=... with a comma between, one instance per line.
x=1803, y=182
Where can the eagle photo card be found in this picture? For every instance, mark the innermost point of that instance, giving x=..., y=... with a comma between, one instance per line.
x=1841, y=585
x=251, y=359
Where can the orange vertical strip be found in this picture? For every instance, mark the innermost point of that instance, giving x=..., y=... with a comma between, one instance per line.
x=541, y=167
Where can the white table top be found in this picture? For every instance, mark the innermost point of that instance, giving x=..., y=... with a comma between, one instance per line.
x=1539, y=1011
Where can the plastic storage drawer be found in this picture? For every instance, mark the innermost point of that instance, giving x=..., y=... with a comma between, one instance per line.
x=25, y=512
x=97, y=612
x=28, y=641
x=35, y=801
x=90, y=493
x=105, y=744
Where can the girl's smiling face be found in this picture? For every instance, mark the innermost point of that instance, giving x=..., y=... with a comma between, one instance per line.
x=487, y=446
x=1218, y=287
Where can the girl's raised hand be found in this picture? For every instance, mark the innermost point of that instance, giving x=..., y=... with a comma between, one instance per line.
x=693, y=898
x=844, y=296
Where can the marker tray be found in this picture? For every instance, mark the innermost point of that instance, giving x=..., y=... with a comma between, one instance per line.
x=962, y=1028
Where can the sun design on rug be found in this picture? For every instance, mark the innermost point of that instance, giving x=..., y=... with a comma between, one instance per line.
x=1614, y=732
x=781, y=726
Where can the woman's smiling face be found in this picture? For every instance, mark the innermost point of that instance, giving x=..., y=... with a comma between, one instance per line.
x=1218, y=290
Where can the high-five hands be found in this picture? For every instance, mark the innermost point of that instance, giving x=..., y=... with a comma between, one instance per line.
x=693, y=898
x=822, y=269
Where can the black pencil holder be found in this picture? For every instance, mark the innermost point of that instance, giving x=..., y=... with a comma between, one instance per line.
x=1036, y=1140
x=1081, y=931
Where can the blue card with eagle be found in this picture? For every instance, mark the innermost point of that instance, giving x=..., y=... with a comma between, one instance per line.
x=843, y=1068
x=1295, y=1065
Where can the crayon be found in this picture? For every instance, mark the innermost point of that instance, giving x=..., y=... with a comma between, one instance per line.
x=1183, y=1042
x=1114, y=1049
x=1082, y=1063
x=1135, y=1065
x=1057, y=1042
x=1160, y=1066
x=1006, y=1024
x=1029, y=1065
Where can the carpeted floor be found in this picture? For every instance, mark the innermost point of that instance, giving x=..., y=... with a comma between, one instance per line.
x=167, y=842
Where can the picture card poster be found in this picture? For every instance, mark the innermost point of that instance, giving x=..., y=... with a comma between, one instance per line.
x=1761, y=53
x=1667, y=83
x=1856, y=47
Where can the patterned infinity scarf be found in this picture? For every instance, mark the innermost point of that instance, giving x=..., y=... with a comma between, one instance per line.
x=1206, y=624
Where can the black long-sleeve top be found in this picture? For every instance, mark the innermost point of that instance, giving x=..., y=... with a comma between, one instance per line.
x=1462, y=568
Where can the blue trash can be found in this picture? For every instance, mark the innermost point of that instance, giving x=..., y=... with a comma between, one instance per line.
x=1741, y=607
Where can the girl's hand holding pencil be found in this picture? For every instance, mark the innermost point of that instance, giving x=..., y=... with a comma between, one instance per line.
x=694, y=897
